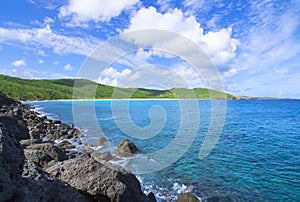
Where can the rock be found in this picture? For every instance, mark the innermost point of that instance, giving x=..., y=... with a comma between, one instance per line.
x=65, y=145
x=102, y=141
x=187, y=197
x=12, y=124
x=29, y=142
x=37, y=185
x=4, y=100
x=127, y=149
x=11, y=163
x=104, y=182
x=106, y=156
x=44, y=153
x=151, y=196
x=56, y=122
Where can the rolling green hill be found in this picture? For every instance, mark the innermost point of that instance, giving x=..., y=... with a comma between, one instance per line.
x=29, y=89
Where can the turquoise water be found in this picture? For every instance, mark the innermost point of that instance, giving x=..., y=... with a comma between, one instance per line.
x=257, y=157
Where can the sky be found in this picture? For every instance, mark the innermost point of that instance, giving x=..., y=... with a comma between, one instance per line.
x=254, y=45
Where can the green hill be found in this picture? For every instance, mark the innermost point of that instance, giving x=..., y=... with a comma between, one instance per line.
x=30, y=89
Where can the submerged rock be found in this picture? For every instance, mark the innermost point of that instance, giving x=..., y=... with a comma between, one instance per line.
x=187, y=197
x=104, y=182
x=126, y=149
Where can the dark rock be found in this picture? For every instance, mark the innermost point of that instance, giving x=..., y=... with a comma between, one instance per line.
x=102, y=141
x=56, y=121
x=187, y=197
x=151, y=196
x=43, y=154
x=126, y=148
x=12, y=124
x=4, y=100
x=37, y=185
x=11, y=163
x=104, y=182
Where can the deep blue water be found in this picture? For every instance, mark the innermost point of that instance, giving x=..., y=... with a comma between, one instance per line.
x=257, y=157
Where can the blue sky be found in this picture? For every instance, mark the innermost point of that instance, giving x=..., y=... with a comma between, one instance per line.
x=254, y=45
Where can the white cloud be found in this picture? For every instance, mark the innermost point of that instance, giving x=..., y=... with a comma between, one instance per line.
x=230, y=72
x=45, y=37
x=111, y=76
x=27, y=73
x=81, y=12
x=68, y=67
x=41, y=53
x=220, y=45
x=19, y=63
x=41, y=61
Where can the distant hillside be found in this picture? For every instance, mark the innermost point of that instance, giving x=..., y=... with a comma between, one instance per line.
x=29, y=89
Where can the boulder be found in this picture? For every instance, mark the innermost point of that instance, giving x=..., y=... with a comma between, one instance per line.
x=44, y=153
x=37, y=185
x=151, y=196
x=11, y=163
x=101, y=141
x=104, y=182
x=16, y=128
x=187, y=197
x=126, y=149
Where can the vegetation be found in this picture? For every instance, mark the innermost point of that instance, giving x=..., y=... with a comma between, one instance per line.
x=29, y=89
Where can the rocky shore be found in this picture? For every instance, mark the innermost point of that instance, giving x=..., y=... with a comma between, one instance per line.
x=39, y=163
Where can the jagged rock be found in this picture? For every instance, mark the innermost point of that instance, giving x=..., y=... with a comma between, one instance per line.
x=104, y=182
x=187, y=197
x=106, y=156
x=4, y=100
x=65, y=145
x=12, y=124
x=151, y=196
x=126, y=149
x=37, y=185
x=43, y=154
x=11, y=163
x=29, y=142
x=101, y=141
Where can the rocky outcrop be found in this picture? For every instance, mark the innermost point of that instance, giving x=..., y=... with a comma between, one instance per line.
x=187, y=197
x=37, y=185
x=104, y=182
x=126, y=149
x=11, y=163
x=44, y=153
x=101, y=141
x=30, y=143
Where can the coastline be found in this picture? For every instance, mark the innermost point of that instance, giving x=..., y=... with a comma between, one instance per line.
x=45, y=148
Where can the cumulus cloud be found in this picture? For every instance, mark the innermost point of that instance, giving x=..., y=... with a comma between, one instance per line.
x=68, y=67
x=45, y=37
x=81, y=12
x=41, y=61
x=220, y=45
x=19, y=63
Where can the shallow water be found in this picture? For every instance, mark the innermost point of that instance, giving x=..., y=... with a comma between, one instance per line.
x=257, y=157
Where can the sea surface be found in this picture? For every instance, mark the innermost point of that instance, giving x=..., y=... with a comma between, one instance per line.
x=257, y=157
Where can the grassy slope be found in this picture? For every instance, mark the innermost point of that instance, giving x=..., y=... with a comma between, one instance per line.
x=27, y=89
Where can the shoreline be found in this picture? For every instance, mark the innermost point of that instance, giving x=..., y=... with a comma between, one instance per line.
x=45, y=161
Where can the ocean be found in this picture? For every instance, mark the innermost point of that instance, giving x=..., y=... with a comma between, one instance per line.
x=256, y=157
